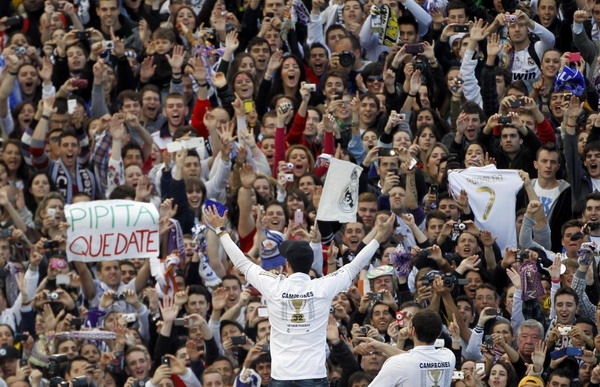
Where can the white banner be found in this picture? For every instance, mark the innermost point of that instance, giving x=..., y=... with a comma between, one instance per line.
x=106, y=230
x=339, y=200
x=492, y=198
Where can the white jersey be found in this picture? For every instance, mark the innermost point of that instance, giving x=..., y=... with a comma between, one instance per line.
x=298, y=310
x=492, y=198
x=422, y=366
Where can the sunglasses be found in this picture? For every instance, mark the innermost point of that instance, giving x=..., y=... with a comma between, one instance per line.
x=373, y=78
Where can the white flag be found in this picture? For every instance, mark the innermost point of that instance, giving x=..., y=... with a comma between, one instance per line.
x=339, y=200
x=492, y=198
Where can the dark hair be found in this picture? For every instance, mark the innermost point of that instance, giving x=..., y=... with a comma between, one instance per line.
x=455, y=4
x=568, y=292
x=570, y=223
x=587, y=320
x=334, y=27
x=224, y=323
x=472, y=108
x=231, y=277
x=68, y=133
x=258, y=41
x=122, y=192
x=406, y=19
x=512, y=378
x=427, y=325
x=131, y=146
x=73, y=360
x=199, y=289
x=518, y=85
x=359, y=376
x=548, y=147
x=164, y=33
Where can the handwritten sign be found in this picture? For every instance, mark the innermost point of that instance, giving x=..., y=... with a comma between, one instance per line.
x=106, y=230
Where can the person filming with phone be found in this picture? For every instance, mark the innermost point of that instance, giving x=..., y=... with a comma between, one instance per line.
x=298, y=307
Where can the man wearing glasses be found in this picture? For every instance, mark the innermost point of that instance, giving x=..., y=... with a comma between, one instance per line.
x=486, y=296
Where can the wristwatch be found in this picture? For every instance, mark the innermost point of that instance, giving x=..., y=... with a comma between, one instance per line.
x=220, y=230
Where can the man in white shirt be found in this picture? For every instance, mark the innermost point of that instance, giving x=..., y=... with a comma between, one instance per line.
x=424, y=365
x=298, y=307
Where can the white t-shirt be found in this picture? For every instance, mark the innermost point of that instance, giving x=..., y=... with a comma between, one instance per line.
x=546, y=196
x=422, y=366
x=492, y=198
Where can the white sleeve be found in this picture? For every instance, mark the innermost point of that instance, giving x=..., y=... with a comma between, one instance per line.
x=48, y=91
x=422, y=17
x=471, y=88
x=342, y=278
x=252, y=272
x=368, y=39
x=215, y=187
x=389, y=373
x=315, y=31
x=472, y=351
x=546, y=42
x=189, y=379
x=516, y=316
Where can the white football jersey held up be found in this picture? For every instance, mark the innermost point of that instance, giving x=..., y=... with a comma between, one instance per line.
x=423, y=366
x=492, y=198
x=298, y=310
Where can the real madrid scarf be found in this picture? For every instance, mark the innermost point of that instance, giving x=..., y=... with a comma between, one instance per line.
x=389, y=21
x=63, y=180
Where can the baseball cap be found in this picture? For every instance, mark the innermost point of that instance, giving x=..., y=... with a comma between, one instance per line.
x=380, y=271
x=9, y=352
x=531, y=381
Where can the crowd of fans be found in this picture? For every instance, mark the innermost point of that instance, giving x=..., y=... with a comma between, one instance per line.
x=245, y=103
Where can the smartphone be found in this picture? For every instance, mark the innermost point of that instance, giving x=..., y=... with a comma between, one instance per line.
x=13, y=21
x=51, y=212
x=375, y=297
x=179, y=322
x=270, y=14
x=489, y=342
x=574, y=57
x=435, y=189
x=262, y=311
x=249, y=106
x=504, y=120
x=310, y=87
x=238, y=340
x=265, y=348
x=414, y=48
x=19, y=337
x=77, y=321
x=82, y=35
x=567, y=97
x=80, y=83
x=574, y=351
x=517, y=103
x=220, y=208
x=492, y=312
x=23, y=363
x=53, y=245
x=439, y=343
x=461, y=28
x=386, y=152
x=338, y=95
x=165, y=360
x=298, y=216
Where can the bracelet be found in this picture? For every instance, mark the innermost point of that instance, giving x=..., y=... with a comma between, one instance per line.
x=13, y=74
x=412, y=95
x=555, y=281
x=45, y=117
x=205, y=84
x=456, y=341
x=570, y=126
